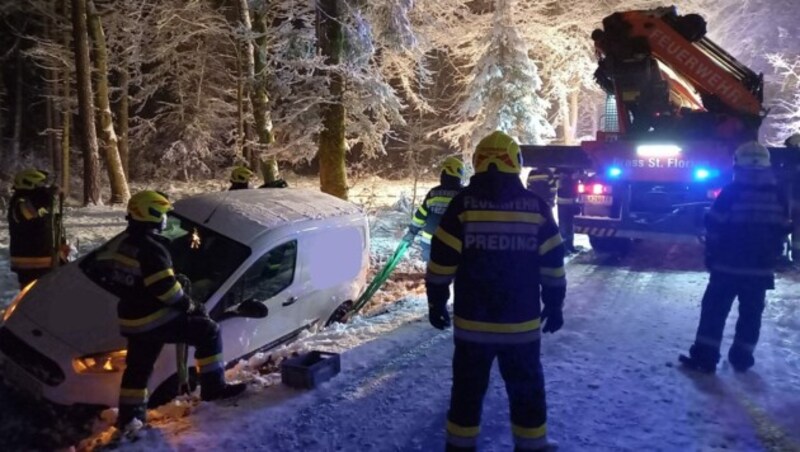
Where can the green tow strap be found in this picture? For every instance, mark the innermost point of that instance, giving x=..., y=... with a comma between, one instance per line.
x=381, y=277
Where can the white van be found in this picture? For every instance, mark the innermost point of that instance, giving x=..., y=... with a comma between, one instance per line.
x=302, y=254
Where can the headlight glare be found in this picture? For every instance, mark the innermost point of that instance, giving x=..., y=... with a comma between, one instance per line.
x=100, y=363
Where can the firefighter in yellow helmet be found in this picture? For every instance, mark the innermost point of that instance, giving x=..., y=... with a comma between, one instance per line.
x=500, y=245
x=427, y=216
x=240, y=178
x=154, y=309
x=745, y=230
x=32, y=227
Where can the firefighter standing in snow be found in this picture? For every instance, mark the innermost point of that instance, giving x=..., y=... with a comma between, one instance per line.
x=501, y=245
x=154, y=310
x=746, y=227
x=568, y=207
x=427, y=216
x=30, y=224
x=240, y=178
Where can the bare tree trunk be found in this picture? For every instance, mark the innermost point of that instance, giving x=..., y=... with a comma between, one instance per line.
x=91, y=170
x=66, y=110
x=259, y=98
x=16, y=142
x=332, y=146
x=116, y=172
x=123, y=117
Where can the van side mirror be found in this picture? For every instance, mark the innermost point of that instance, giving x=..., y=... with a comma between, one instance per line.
x=252, y=309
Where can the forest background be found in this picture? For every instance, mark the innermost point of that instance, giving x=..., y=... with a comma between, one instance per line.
x=104, y=92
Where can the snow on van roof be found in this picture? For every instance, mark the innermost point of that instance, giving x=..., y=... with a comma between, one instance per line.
x=244, y=215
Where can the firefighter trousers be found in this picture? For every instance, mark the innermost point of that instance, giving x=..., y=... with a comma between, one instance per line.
x=717, y=302
x=144, y=349
x=27, y=276
x=521, y=370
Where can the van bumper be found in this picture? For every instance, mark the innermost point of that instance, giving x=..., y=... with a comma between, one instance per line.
x=41, y=366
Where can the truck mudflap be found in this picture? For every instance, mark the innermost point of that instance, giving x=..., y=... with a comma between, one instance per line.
x=630, y=229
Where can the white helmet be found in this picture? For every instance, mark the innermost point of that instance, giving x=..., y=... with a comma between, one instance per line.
x=752, y=155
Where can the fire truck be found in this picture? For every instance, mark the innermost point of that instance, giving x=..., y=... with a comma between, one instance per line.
x=683, y=105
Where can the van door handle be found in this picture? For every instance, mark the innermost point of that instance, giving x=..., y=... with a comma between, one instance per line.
x=290, y=301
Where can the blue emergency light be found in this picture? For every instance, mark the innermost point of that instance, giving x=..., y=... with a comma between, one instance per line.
x=614, y=172
x=702, y=174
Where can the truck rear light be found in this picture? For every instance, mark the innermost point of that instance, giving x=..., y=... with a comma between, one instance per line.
x=601, y=189
x=714, y=193
x=581, y=189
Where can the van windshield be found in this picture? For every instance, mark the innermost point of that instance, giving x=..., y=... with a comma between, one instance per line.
x=205, y=257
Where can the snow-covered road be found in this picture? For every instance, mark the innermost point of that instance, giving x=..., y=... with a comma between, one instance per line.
x=612, y=382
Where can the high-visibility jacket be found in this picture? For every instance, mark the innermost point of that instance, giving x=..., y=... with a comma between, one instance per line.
x=502, y=246
x=746, y=228
x=137, y=267
x=429, y=213
x=30, y=226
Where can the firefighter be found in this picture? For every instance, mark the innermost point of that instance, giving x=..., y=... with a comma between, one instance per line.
x=745, y=230
x=154, y=310
x=31, y=226
x=568, y=206
x=501, y=245
x=240, y=178
x=793, y=142
x=427, y=216
x=542, y=182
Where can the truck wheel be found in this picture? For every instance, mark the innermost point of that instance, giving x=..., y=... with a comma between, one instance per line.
x=340, y=314
x=613, y=245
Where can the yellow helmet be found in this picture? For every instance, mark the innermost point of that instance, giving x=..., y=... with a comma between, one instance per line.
x=453, y=167
x=29, y=179
x=241, y=175
x=752, y=155
x=148, y=206
x=498, y=149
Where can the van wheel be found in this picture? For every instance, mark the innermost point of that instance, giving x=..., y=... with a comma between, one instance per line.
x=340, y=314
x=612, y=245
x=168, y=390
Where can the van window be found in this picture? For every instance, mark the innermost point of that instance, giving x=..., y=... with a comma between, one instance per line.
x=206, y=257
x=338, y=255
x=267, y=277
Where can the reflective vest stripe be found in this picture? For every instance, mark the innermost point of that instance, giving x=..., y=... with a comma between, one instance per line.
x=156, y=277
x=448, y=239
x=29, y=263
x=501, y=216
x=550, y=244
x=494, y=327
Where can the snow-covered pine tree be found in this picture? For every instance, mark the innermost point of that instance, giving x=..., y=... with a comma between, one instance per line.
x=504, y=86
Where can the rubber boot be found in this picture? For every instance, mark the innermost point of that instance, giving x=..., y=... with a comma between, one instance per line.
x=226, y=391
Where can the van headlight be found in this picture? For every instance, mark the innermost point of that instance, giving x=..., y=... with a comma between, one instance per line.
x=100, y=363
x=16, y=301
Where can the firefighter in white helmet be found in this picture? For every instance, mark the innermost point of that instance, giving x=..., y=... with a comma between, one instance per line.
x=745, y=229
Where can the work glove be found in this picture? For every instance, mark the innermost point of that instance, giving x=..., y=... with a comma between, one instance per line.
x=438, y=316
x=411, y=234
x=437, y=305
x=553, y=319
x=196, y=309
